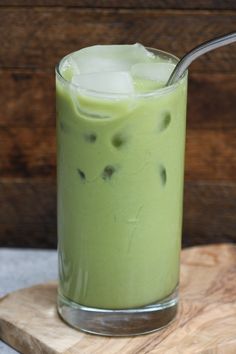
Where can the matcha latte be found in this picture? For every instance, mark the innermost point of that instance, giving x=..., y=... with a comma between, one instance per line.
x=121, y=140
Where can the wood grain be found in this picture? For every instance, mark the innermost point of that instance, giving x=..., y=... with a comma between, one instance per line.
x=211, y=101
x=205, y=323
x=28, y=213
x=42, y=36
x=27, y=98
x=211, y=155
x=159, y=4
x=209, y=213
x=27, y=152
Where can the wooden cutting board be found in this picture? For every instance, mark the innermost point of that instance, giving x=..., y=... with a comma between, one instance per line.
x=206, y=322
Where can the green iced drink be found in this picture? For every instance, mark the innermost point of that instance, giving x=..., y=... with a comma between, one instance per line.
x=121, y=139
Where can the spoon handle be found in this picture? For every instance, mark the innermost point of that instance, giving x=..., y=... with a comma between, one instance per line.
x=197, y=52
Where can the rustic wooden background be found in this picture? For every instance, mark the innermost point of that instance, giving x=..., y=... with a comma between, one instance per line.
x=36, y=34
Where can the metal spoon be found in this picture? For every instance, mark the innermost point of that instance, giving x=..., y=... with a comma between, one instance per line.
x=196, y=52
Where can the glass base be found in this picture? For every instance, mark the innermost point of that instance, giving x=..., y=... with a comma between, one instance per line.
x=119, y=322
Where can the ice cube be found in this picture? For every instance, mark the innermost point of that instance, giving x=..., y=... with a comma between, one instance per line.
x=153, y=71
x=105, y=82
x=69, y=68
x=110, y=57
x=74, y=65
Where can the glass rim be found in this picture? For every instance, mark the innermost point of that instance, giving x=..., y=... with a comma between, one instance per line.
x=157, y=92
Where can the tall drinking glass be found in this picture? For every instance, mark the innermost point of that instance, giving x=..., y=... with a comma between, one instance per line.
x=120, y=191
